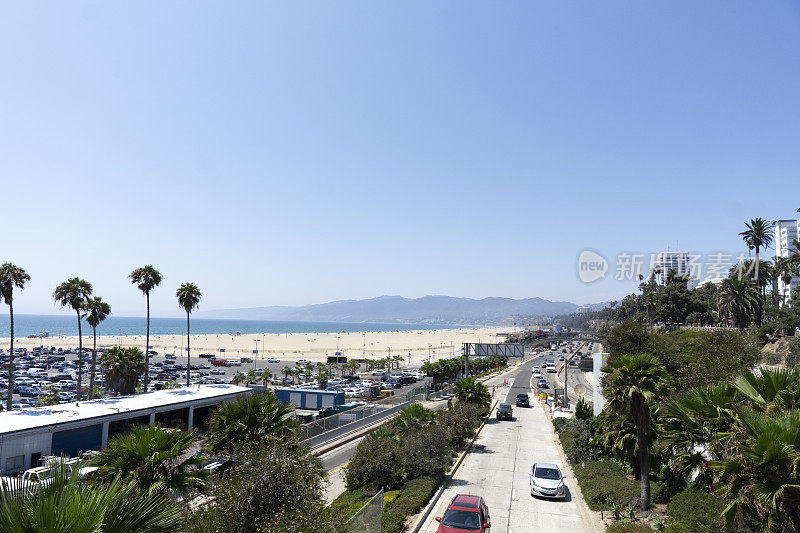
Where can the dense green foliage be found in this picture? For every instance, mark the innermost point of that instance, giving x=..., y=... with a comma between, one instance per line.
x=628, y=527
x=450, y=369
x=412, y=455
x=252, y=418
x=473, y=392
x=603, y=482
x=154, y=459
x=123, y=367
x=74, y=505
x=270, y=488
x=694, y=511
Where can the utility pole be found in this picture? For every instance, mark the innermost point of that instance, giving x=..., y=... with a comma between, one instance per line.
x=466, y=360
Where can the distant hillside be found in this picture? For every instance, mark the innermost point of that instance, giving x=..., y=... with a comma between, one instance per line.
x=396, y=309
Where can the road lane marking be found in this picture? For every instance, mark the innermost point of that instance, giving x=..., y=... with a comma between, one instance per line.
x=337, y=469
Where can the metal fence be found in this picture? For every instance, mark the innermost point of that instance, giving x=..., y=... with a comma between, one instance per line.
x=368, y=519
x=386, y=406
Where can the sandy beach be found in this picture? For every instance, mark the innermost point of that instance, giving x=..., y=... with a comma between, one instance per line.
x=419, y=344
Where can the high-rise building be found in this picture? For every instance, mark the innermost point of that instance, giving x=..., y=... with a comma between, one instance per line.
x=786, y=232
x=680, y=262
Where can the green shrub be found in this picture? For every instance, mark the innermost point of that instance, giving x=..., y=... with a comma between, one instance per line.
x=583, y=411
x=628, y=527
x=414, y=495
x=793, y=357
x=694, y=511
x=605, y=481
x=425, y=453
x=376, y=464
x=668, y=485
x=575, y=438
x=559, y=423
x=350, y=501
x=460, y=421
x=393, y=522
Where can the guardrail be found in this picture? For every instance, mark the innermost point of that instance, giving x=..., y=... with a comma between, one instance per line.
x=332, y=426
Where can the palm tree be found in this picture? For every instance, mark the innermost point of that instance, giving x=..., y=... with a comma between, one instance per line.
x=414, y=417
x=266, y=376
x=73, y=293
x=123, y=367
x=738, y=298
x=146, y=279
x=631, y=383
x=11, y=276
x=69, y=503
x=288, y=371
x=155, y=460
x=762, y=480
x=784, y=268
x=758, y=235
x=253, y=418
x=96, y=311
x=470, y=391
x=188, y=298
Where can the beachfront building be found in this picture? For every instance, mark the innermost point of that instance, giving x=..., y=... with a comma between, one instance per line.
x=786, y=232
x=68, y=429
x=680, y=262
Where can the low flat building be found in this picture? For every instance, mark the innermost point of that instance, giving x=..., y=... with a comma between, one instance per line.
x=69, y=429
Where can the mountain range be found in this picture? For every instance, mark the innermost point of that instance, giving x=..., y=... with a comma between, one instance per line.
x=444, y=310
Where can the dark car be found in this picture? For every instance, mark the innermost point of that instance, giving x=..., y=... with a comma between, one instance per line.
x=542, y=384
x=466, y=513
x=504, y=412
x=523, y=400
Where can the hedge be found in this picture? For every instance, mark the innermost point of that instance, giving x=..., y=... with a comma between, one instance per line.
x=602, y=481
x=629, y=527
x=414, y=495
x=694, y=511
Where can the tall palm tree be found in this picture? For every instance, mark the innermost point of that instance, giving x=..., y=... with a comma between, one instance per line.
x=96, y=311
x=155, y=460
x=254, y=418
x=631, y=383
x=11, y=276
x=758, y=235
x=73, y=293
x=738, y=298
x=266, y=376
x=784, y=269
x=288, y=371
x=146, y=279
x=69, y=503
x=188, y=298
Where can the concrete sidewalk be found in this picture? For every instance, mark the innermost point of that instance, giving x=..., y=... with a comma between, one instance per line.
x=497, y=468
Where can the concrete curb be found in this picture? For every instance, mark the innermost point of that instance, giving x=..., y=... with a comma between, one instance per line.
x=449, y=477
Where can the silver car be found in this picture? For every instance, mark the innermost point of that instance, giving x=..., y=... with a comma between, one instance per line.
x=547, y=481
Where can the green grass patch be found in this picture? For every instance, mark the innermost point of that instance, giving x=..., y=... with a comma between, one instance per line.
x=350, y=501
x=604, y=481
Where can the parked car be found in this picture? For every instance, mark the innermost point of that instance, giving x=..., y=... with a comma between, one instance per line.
x=547, y=481
x=246, y=359
x=273, y=360
x=505, y=412
x=523, y=400
x=466, y=513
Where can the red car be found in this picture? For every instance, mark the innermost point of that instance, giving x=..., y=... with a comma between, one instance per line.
x=466, y=513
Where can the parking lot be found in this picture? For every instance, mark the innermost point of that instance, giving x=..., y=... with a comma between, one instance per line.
x=37, y=370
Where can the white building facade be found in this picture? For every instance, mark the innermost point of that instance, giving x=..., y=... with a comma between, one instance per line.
x=786, y=232
x=680, y=262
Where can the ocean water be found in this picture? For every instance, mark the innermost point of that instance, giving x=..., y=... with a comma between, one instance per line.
x=57, y=325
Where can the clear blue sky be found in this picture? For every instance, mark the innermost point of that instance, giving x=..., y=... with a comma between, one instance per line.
x=299, y=152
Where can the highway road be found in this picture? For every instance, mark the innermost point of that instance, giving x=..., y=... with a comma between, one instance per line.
x=575, y=375
x=498, y=469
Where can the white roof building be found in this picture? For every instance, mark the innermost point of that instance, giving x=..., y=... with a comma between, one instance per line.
x=69, y=428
